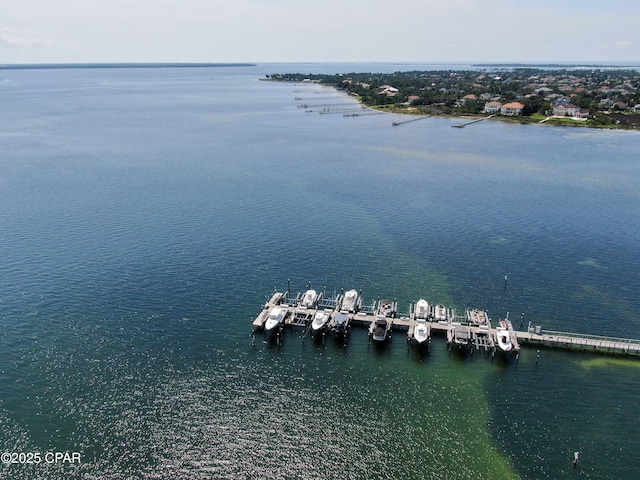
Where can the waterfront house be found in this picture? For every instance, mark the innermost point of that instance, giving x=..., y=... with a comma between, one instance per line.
x=492, y=107
x=563, y=109
x=512, y=109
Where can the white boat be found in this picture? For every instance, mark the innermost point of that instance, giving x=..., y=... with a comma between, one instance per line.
x=504, y=338
x=421, y=331
x=440, y=313
x=275, y=318
x=422, y=309
x=320, y=320
x=380, y=329
x=309, y=299
x=350, y=301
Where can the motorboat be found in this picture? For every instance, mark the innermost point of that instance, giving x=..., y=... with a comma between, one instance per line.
x=350, y=301
x=309, y=299
x=477, y=317
x=339, y=324
x=380, y=329
x=422, y=309
x=440, y=314
x=387, y=308
x=320, y=320
x=275, y=318
x=421, y=331
x=504, y=337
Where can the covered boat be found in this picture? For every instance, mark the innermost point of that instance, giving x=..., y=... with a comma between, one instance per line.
x=380, y=329
x=340, y=324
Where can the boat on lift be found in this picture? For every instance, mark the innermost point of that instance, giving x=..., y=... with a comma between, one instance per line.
x=504, y=337
x=421, y=331
x=275, y=318
x=321, y=320
x=350, y=302
x=422, y=309
x=340, y=325
x=440, y=314
x=309, y=299
x=380, y=329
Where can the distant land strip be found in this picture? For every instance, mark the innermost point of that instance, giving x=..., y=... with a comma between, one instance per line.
x=42, y=66
x=554, y=65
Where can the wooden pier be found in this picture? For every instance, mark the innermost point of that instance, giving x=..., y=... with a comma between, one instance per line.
x=576, y=341
x=469, y=122
x=395, y=123
x=472, y=331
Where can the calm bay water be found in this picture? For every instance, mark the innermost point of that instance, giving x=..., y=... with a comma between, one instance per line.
x=146, y=215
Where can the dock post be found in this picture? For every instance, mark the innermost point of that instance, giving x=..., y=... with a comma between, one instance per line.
x=521, y=321
x=537, y=356
x=288, y=286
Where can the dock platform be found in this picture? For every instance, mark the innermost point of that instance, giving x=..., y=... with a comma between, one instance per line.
x=471, y=331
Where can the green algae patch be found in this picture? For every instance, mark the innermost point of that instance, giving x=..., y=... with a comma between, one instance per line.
x=607, y=362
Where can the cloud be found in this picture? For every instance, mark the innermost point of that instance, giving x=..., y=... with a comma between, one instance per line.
x=9, y=38
x=624, y=43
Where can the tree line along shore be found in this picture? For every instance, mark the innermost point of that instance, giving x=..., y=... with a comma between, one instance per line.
x=593, y=97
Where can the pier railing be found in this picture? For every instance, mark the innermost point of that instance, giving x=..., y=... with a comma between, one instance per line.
x=579, y=340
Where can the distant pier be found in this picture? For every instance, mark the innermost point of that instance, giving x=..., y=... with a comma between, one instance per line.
x=473, y=330
x=402, y=122
x=469, y=122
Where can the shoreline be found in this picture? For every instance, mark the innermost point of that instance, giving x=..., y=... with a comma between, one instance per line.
x=552, y=121
x=604, y=99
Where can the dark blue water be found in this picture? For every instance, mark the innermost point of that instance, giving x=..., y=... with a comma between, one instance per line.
x=145, y=215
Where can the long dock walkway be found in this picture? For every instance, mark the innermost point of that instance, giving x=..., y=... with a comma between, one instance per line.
x=395, y=123
x=469, y=122
x=474, y=330
x=594, y=343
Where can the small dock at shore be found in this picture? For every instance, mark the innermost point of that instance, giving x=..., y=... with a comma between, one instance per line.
x=473, y=330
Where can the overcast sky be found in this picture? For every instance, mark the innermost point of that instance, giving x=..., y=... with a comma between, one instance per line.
x=79, y=31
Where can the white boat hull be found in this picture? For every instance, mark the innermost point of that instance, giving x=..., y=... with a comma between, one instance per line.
x=275, y=318
x=504, y=340
x=350, y=301
x=420, y=333
x=320, y=321
x=422, y=308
